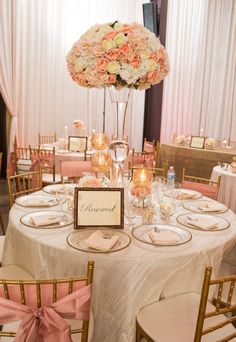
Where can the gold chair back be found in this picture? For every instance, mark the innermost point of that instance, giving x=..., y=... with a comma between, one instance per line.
x=68, y=284
x=149, y=146
x=0, y=162
x=47, y=139
x=45, y=159
x=200, y=180
x=23, y=184
x=22, y=161
x=203, y=313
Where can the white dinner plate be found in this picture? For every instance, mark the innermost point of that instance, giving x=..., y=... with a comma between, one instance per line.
x=59, y=188
x=204, y=206
x=220, y=222
x=36, y=201
x=65, y=219
x=190, y=194
x=77, y=239
x=142, y=233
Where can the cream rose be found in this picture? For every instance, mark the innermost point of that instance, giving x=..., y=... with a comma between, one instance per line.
x=108, y=44
x=113, y=67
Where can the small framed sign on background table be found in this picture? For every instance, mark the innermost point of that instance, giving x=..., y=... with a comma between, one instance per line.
x=99, y=207
x=197, y=142
x=77, y=144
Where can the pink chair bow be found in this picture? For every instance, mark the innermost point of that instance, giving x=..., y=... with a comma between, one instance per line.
x=47, y=324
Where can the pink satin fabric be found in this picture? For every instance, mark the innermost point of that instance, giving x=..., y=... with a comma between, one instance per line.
x=47, y=324
x=144, y=160
x=75, y=168
x=210, y=191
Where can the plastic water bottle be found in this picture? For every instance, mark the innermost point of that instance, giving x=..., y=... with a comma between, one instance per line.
x=171, y=177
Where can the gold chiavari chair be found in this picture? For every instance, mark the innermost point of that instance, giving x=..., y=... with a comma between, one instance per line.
x=189, y=316
x=145, y=159
x=58, y=307
x=206, y=186
x=23, y=184
x=149, y=146
x=47, y=139
x=45, y=158
x=22, y=161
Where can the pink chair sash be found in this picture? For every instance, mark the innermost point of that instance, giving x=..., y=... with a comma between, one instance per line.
x=47, y=324
x=210, y=191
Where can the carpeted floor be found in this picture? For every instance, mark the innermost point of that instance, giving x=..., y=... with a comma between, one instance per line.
x=4, y=203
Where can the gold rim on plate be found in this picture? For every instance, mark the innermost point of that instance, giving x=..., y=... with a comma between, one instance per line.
x=38, y=206
x=158, y=225
x=198, y=211
x=201, y=229
x=91, y=250
x=56, y=226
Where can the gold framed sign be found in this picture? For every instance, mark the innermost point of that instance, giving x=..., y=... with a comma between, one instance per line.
x=99, y=207
x=77, y=144
x=197, y=142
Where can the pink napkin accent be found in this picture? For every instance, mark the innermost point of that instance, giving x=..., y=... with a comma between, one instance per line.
x=47, y=324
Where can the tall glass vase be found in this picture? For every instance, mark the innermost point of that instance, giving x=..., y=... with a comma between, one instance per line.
x=119, y=147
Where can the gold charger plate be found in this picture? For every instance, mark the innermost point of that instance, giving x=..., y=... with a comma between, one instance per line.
x=65, y=219
x=142, y=234
x=220, y=222
x=37, y=201
x=198, y=206
x=77, y=239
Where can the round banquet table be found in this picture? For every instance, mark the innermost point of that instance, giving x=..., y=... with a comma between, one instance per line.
x=126, y=280
x=65, y=155
x=227, y=191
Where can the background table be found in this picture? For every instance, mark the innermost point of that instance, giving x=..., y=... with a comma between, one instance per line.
x=69, y=156
x=197, y=162
x=227, y=191
x=124, y=281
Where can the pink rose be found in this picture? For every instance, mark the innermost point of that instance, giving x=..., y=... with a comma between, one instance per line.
x=113, y=54
x=102, y=64
x=135, y=62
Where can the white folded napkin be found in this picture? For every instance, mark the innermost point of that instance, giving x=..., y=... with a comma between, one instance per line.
x=45, y=220
x=99, y=241
x=185, y=195
x=36, y=202
x=164, y=236
x=210, y=207
x=204, y=223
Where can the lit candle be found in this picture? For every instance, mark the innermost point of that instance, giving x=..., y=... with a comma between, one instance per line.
x=224, y=143
x=142, y=178
x=201, y=131
x=66, y=133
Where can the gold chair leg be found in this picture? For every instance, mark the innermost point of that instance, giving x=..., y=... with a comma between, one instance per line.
x=1, y=224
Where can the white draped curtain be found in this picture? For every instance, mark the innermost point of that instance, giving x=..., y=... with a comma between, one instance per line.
x=35, y=37
x=200, y=90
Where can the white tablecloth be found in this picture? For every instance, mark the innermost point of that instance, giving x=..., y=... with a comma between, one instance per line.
x=124, y=281
x=227, y=191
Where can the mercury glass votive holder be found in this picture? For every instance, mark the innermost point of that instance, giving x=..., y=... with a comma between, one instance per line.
x=101, y=162
x=99, y=141
x=142, y=177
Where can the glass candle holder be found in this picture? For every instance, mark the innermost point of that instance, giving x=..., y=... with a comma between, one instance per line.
x=101, y=162
x=99, y=141
x=142, y=178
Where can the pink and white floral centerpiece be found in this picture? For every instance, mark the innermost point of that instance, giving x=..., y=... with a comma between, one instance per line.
x=78, y=127
x=122, y=55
